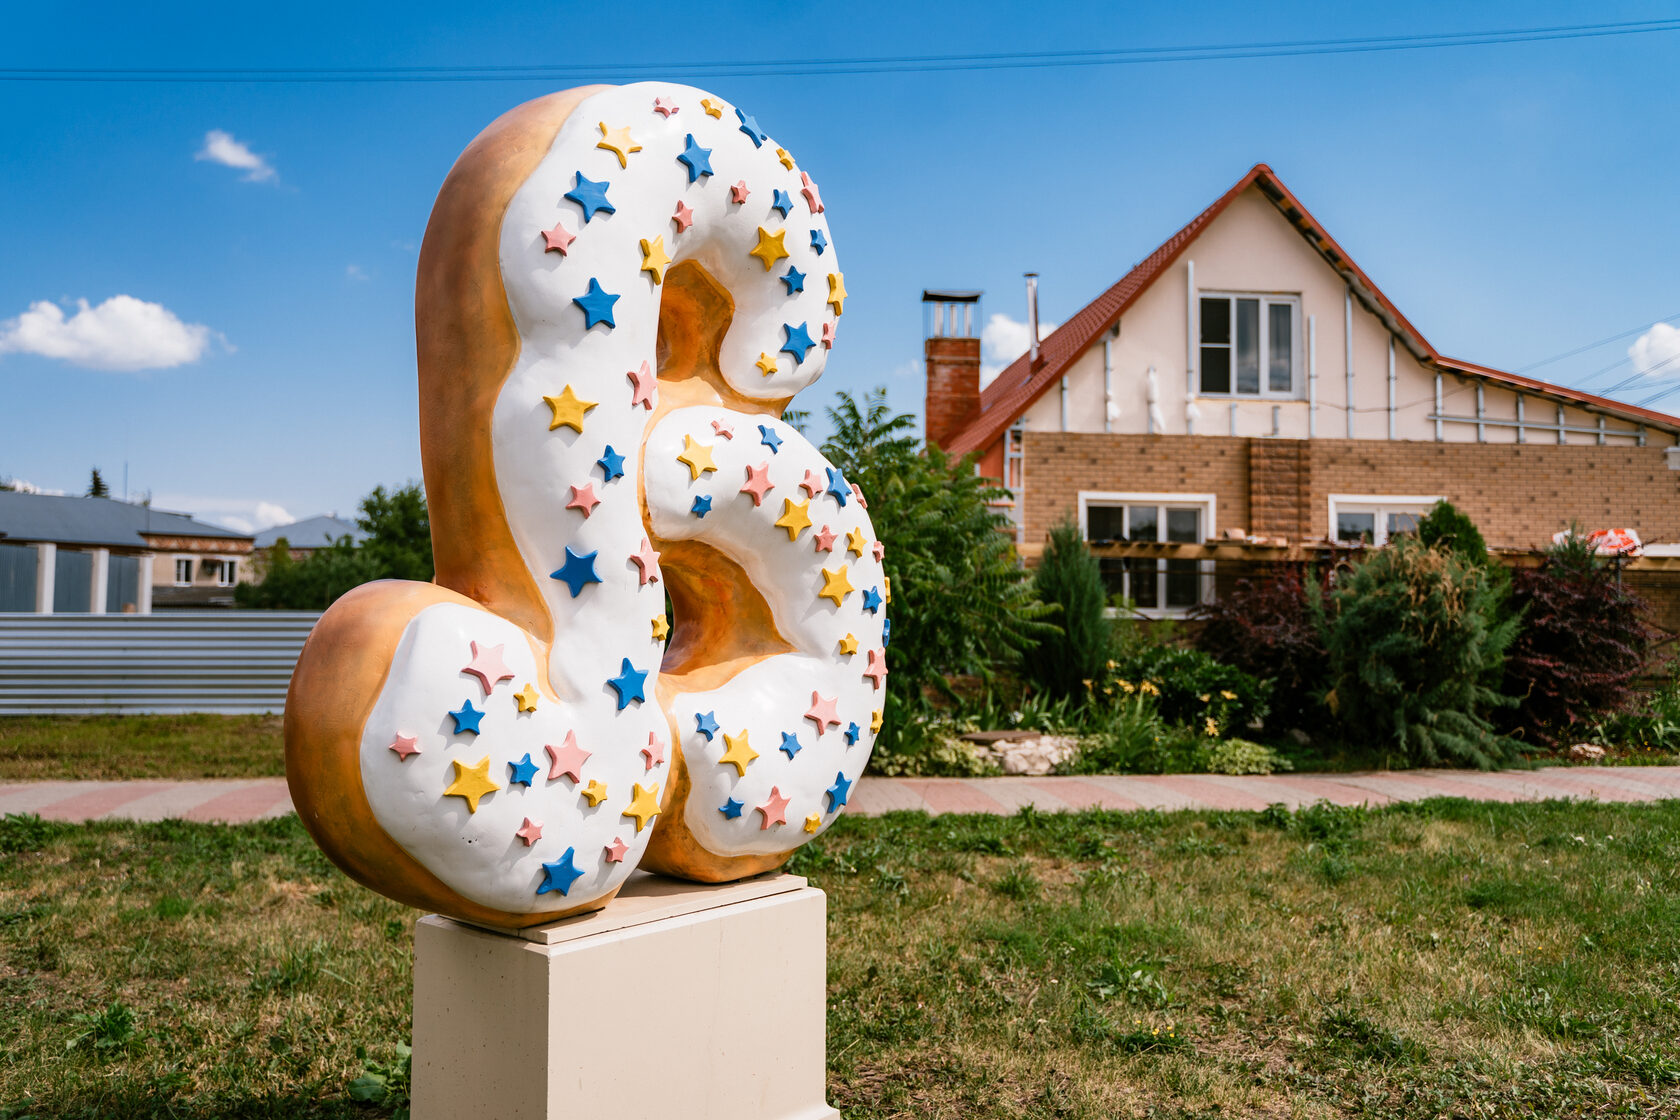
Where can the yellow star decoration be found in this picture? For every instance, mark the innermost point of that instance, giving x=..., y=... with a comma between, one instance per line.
x=855, y=542
x=697, y=457
x=527, y=697
x=837, y=291
x=813, y=822
x=644, y=806
x=874, y=722
x=848, y=645
x=472, y=782
x=766, y=364
x=769, y=248
x=654, y=259
x=739, y=754
x=836, y=586
x=713, y=109
x=795, y=516
x=595, y=793
x=568, y=410
x=618, y=142
x=886, y=585
x=660, y=628
x=787, y=160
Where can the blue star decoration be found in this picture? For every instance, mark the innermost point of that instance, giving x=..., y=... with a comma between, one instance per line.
x=731, y=809
x=697, y=159
x=886, y=632
x=523, y=771
x=872, y=600
x=769, y=438
x=750, y=127
x=706, y=724
x=790, y=744
x=629, y=684
x=467, y=718
x=702, y=505
x=838, y=792
x=611, y=464
x=592, y=196
x=838, y=486
x=818, y=241
x=853, y=731
x=577, y=572
x=795, y=280
x=798, y=341
x=783, y=201
x=561, y=874
x=597, y=304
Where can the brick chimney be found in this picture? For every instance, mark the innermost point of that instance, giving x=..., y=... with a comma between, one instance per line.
x=953, y=363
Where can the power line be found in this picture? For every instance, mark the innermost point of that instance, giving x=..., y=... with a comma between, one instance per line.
x=879, y=64
x=1594, y=346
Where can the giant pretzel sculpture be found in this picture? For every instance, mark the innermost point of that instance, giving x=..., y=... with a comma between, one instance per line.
x=619, y=292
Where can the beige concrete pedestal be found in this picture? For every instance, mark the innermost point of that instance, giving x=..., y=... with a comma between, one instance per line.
x=678, y=1000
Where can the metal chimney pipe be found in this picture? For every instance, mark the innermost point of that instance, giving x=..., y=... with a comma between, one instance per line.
x=1032, y=317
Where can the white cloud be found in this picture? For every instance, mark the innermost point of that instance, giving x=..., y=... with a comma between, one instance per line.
x=220, y=147
x=1656, y=353
x=123, y=333
x=906, y=370
x=1002, y=340
x=242, y=515
x=354, y=272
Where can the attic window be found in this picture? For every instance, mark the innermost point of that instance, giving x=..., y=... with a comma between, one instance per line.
x=1249, y=345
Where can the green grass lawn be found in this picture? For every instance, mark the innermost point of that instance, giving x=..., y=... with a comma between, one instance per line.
x=70, y=748
x=1445, y=959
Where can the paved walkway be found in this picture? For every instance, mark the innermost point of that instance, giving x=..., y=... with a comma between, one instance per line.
x=253, y=799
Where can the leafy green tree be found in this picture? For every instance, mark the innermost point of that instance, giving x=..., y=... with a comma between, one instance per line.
x=398, y=546
x=1069, y=581
x=961, y=602
x=399, y=533
x=1445, y=527
x=97, y=487
x=1416, y=641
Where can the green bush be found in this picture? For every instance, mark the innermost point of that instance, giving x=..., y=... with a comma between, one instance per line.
x=398, y=545
x=1649, y=727
x=1134, y=739
x=1445, y=527
x=1416, y=644
x=1243, y=756
x=1190, y=687
x=1069, y=580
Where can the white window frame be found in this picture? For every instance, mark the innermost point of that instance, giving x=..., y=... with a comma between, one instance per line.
x=1297, y=383
x=226, y=573
x=188, y=561
x=1381, y=505
x=1207, y=504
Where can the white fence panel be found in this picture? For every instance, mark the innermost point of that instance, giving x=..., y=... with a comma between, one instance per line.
x=170, y=661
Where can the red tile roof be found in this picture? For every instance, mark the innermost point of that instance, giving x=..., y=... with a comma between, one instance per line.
x=1023, y=382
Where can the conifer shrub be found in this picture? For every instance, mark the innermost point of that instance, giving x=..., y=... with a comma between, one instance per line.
x=1264, y=627
x=1445, y=527
x=1415, y=643
x=1069, y=581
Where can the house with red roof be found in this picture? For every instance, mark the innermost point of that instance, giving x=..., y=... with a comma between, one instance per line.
x=1248, y=391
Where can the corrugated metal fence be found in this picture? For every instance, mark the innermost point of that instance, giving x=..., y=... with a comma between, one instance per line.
x=172, y=661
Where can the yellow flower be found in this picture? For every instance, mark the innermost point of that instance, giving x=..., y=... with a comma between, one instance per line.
x=1204, y=698
x=1228, y=694
x=1127, y=687
x=1212, y=727
x=1087, y=684
x=1149, y=688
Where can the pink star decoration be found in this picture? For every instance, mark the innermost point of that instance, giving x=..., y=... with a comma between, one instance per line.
x=813, y=483
x=665, y=108
x=616, y=850
x=530, y=831
x=823, y=713
x=405, y=745
x=857, y=493
x=877, y=670
x=774, y=810
x=825, y=540
x=654, y=752
x=583, y=498
x=642, y=383
x=684, y=217
x=880, y=550
x=558, y=239
x=828, y=336
x=647, y=564
x=723, y=429
x=809, y=190
x=487, y=666
x=758, y=483
x=739, y=192
x=567, y=759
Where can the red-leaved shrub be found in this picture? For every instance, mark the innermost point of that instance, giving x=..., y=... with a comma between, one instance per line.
x=1263, y=628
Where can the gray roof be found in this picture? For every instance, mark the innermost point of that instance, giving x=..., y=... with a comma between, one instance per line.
x=95, y=521
x=311, y=532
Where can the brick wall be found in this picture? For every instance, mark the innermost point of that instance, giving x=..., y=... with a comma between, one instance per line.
x=1518, y=494
x=953, y=386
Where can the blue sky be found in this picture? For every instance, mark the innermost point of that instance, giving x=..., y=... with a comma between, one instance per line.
x=1515, y=201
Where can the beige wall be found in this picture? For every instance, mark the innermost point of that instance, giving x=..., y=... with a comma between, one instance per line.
x=1251, y=247
x=163, y=568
